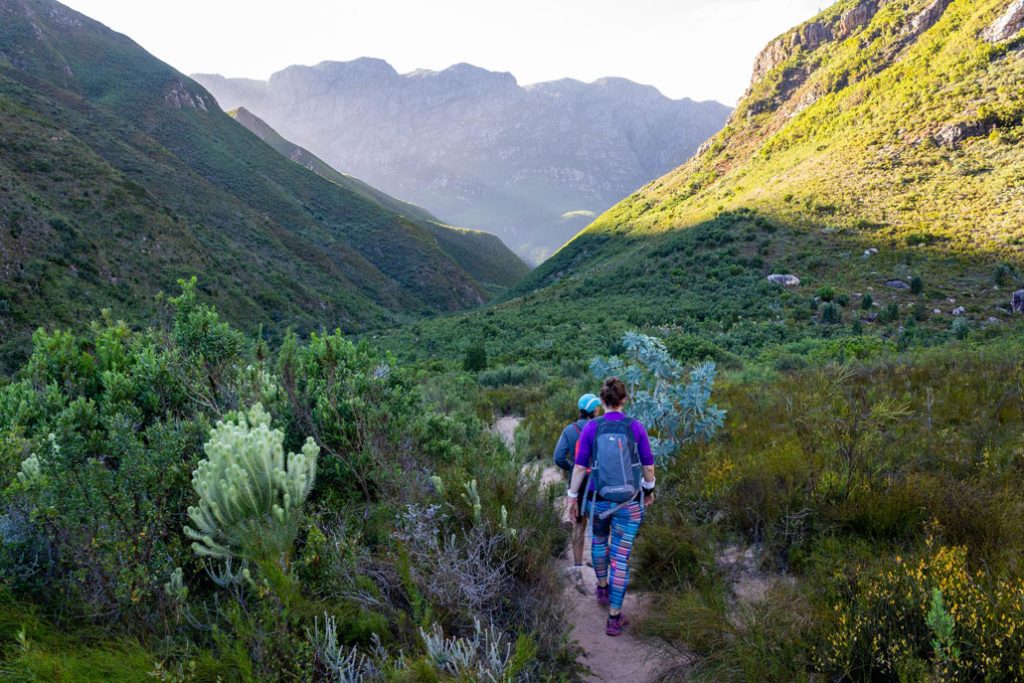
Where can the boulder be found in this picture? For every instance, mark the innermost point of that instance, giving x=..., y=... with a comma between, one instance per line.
x=1007, y=25
x=897, y=284
x=1018, y=301
x=784, y=280
x=959, y=310
x=950, y=134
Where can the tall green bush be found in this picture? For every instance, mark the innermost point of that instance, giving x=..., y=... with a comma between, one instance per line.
x=250, y=493
x=675, y=411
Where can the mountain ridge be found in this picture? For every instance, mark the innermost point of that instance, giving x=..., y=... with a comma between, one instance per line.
x=481, y=254
x=477, y=148
x=120, y=175
x=876, y=157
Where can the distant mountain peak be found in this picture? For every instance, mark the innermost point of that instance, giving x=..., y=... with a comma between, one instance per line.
x=362, y=65
x=476, y=148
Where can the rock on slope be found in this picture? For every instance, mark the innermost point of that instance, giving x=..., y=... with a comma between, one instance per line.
x=531, y=164
x=119, y=175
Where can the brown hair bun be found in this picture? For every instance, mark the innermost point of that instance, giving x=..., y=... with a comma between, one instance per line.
x=613, y=393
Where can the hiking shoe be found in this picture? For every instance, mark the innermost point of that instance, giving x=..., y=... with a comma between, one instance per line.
x=603, y=595
x=616, y=624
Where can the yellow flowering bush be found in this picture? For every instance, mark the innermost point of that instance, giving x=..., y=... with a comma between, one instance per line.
x=893, y=618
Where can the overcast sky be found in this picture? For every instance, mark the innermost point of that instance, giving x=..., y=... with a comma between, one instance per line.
x=702, y=49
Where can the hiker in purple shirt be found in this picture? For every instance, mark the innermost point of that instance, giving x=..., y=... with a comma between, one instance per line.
x=616, y=452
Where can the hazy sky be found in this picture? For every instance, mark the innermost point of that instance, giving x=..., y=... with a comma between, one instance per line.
x=702, y=49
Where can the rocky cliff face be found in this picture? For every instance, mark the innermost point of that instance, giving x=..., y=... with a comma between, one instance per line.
x=531, y=164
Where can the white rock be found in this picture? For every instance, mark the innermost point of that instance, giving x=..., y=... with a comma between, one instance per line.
x=784, y=280
x=959, y=310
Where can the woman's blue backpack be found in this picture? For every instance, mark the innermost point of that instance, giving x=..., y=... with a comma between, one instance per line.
x=615, y=461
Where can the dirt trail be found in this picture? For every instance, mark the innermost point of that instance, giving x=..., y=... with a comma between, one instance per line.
x=624, y=658
x=505, y=427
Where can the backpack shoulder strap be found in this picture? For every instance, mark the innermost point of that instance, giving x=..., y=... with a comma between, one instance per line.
x=629, y=435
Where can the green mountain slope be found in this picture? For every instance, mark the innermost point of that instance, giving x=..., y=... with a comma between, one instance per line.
x=119, y=175
x=891, y=126
x=481, y=254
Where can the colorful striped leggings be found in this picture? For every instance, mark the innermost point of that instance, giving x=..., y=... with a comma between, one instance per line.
x=622, y=528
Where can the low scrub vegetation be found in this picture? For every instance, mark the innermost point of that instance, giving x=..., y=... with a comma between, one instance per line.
x=186, y=503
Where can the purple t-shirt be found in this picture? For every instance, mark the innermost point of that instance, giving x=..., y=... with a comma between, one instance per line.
x=643, y=444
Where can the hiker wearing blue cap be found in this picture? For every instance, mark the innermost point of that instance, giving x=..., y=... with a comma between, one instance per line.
x=565, y=455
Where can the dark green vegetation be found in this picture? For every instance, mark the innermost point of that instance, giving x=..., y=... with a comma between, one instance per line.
x=858, y=518
x=481, y=254
x=898, y=133
x=808, y=540
x=417, y=523
x=119, y=175
x=861, y=490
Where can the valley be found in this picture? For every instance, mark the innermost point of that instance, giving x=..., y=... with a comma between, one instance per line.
x=264, y=419
x=531, y=164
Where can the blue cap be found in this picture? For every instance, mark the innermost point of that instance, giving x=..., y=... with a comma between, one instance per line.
x=588, y=403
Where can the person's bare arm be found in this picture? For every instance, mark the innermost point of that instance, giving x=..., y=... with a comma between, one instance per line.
x=573, y=505
x=648, y=479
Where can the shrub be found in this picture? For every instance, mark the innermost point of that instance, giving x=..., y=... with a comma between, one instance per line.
x=831, y=314
x=890, y=313
x=867, y=302
x=916, y=285
x=509, y=375
x=894, y=617
x=675, y=412
x=250, y=493
x=1004, y=274
x=475, y=358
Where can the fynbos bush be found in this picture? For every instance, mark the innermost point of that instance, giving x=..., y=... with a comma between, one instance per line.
x=675, y=412
x=250, y=494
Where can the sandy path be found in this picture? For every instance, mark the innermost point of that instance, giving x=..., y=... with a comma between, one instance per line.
x=624, y=658
x=505, y=427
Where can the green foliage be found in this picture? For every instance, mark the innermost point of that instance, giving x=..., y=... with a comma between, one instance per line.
x=867, y=302
x=871, y=485
x=916, y=285
x=475, y=358
x=509, y=375
x=831, y=314
x=146, y=166
x=105, y=429
x=674, y=411
x=942, y=626
x=250, y=493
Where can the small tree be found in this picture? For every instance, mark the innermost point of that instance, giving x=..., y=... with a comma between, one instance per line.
x=675, y=412
x=831, y=314
x=867, y=302
x=250, y=493
x=475, y=359
x=916, y=285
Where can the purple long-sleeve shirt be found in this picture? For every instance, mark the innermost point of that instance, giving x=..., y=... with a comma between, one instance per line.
x=643, y=444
